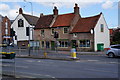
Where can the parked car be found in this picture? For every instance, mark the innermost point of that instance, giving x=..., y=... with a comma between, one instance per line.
x=113, y=50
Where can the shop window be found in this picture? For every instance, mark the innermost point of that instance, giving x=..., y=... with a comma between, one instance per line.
x=84, y=43
x=42, y=44
x=47, y=44
x=63, y=43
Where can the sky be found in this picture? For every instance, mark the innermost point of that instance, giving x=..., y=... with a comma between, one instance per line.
x=88, y=8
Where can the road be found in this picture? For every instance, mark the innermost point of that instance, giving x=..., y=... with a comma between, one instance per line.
x=89, y=66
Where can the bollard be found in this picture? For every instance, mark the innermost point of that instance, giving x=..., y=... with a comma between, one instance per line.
x=45, y=54
x=73, y=53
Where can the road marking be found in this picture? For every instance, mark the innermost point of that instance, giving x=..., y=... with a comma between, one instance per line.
x=15, y=66
x=113, y=62
x=26, y=74
x=29, y=60
x=23, y=76
x=101, y=70
x=93, y=60
x=39, y=61
x=78, y=61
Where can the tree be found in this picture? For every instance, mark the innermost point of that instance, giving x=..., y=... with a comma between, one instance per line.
x=116, y=37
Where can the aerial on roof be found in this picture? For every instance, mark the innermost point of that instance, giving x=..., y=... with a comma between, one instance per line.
x=86, y=24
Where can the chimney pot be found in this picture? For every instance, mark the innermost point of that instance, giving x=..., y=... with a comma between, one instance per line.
x=41, y=15
x=20, y=11
x=55, y=11
x=76, y=9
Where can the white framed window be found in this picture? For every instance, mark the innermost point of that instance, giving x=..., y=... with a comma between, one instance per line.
x=102, y=27
x=42, y=32
x=20, y=23
x=65, y=30
x=84, y=43
x=6, y=31
x=63, y=44
x=52, y=31
x=6, y=25
x=75, y=35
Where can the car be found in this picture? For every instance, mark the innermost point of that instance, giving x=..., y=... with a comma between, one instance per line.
x=113, y=51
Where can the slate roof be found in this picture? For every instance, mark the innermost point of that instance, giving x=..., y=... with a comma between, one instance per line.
x=63, y=20
x=32, y=20
x=86, y=24
x=44, y=21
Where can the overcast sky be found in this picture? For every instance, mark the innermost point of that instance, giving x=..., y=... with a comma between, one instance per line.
x=88, y=8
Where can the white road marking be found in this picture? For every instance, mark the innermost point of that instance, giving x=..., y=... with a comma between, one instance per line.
x=78, y=61
x=113, y=62
x=101, y=70
x=93, y=60
x=39, y=61
x=26, y=74
x=15, y=66
x=29, y=60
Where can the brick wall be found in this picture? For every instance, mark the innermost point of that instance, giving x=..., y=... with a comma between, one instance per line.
x=3, y=27
x=84, y=36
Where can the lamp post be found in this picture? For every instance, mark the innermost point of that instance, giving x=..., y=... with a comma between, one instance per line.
x=31, y=7
x=29, y=26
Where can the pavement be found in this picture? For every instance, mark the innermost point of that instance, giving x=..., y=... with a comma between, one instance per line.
x=62, y=55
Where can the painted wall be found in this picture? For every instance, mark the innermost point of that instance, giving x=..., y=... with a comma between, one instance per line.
x=101, y=37
x=21, y=31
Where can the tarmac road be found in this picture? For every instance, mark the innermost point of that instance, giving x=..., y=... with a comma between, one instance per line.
x=89, y=66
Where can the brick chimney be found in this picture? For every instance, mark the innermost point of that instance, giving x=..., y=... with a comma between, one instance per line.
x=41, y=15
x=55, y=11
x=20, y=11
x=76, y=9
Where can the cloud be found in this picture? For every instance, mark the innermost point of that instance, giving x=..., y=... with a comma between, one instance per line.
x=4, y=7
x=107, y=4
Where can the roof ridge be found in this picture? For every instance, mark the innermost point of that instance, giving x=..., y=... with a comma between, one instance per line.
x=65, y=14
x=48, y=15
x=31, y=15
x=92, y=16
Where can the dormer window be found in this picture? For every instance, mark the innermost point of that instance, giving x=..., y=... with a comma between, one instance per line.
x=20, y=23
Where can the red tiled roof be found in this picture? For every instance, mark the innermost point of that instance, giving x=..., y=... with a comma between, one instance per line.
x=86, y=24
x=44, y=21
x=63, y=20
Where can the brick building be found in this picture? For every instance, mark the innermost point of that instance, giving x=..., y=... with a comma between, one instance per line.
x=5, y=35
x=86, y=34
